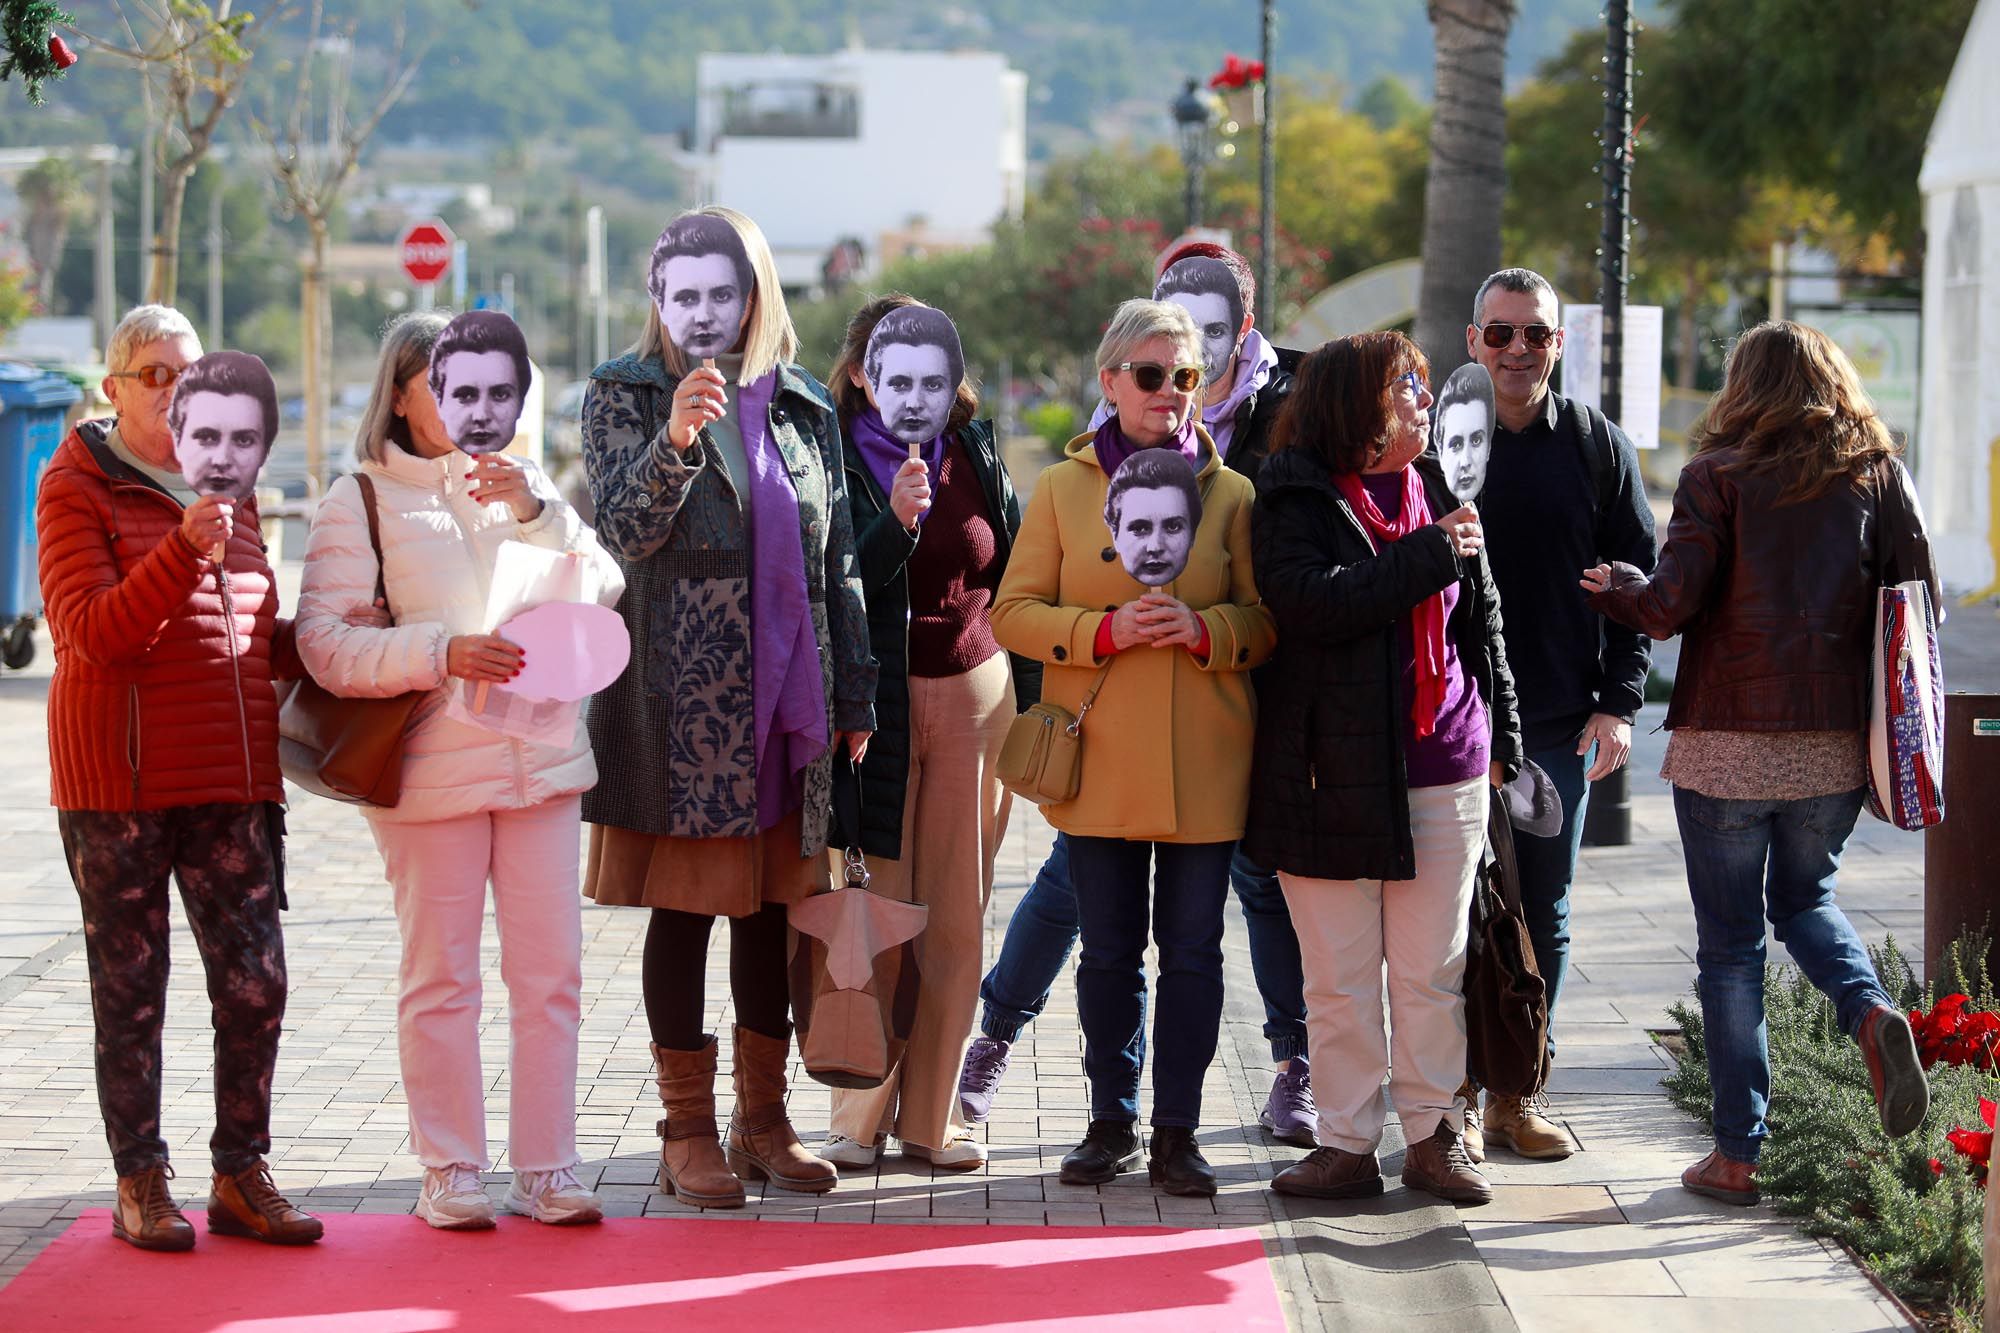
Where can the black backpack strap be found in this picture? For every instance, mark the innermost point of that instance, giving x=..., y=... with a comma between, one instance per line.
x=1593, y=437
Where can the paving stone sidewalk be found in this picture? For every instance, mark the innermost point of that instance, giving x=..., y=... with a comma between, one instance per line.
x=1603, y=1238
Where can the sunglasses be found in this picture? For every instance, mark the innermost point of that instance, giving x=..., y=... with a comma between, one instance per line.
x=1501, y=334
x=1150, y=375
x=153, y=377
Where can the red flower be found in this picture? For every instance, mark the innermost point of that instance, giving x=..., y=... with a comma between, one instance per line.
x=1237, y=72
x=60, y=53
x=1974, y=1146
x=1950, y=1034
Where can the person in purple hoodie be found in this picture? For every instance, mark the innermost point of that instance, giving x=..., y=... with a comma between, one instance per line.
x=1246, y=381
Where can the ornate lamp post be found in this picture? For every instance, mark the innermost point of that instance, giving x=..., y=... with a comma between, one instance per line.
x=1192, y=111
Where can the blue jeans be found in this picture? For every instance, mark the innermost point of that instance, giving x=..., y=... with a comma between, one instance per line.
x=1547, y=866
x=1747, y=860
x=1044, y=925
x=1183, y=907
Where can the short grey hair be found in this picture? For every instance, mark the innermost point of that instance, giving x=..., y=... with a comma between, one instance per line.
x=1523, y=280
x=1138, y=323
x=141, y=325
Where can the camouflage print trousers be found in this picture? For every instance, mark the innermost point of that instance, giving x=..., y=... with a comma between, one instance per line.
x=227, y=860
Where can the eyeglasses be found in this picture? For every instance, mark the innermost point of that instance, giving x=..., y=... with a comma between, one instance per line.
x=1150, y=375
x=1415, y=379
x=155, y=376
x=1499, y=333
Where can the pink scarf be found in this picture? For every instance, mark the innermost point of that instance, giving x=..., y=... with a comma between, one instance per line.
x=1427, y=616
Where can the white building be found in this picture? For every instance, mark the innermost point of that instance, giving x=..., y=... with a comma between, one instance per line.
x=860, y=145
x=1958, y=474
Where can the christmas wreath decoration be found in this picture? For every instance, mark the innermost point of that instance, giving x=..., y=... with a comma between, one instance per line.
x=32, y=51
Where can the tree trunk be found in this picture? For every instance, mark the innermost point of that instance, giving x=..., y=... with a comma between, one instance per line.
x=1468, y=176
x=1687, y=356
x=164, y=273
x=314, y=326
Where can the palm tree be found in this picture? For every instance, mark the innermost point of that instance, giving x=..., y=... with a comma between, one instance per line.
x=52, y=193
x=1468, y=174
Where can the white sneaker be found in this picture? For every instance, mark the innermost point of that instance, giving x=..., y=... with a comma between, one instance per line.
x=852, y=1153
x=555, y=1197
x=453, y=1199
x=965, y=1154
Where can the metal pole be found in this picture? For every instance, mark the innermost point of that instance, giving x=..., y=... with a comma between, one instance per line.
x=107, y=272
x=147, y=171
x=215, y=265
x=595, y=283
x=1608, y=823
x=1267, y=185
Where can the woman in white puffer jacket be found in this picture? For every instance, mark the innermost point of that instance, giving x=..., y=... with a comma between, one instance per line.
x=476, y=805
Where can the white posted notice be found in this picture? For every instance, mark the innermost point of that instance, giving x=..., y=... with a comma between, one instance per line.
x=1639, y=378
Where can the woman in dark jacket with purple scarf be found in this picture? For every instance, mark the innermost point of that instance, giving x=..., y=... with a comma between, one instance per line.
x=934, y=522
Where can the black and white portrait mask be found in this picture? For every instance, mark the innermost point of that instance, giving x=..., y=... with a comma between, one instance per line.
x=1462, y=429
x=479, y=376
x=914, y=366
x=701, y=281
x=224, y=417
x=1153, y=507
x=1207, y=290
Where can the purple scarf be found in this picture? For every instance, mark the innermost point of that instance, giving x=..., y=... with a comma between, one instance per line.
x=885, y=454
x=1113, y=448
x=788, y=697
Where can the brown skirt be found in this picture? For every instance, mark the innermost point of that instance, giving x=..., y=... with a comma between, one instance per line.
x=706, y=876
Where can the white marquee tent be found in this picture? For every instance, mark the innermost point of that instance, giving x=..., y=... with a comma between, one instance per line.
x=1958, y=458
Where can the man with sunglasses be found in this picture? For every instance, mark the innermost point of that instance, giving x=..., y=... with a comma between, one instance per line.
x=1562, y=483
x=163, y=758
x=1240, y=402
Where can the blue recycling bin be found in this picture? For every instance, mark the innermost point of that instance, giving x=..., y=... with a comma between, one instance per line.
x=33, y=404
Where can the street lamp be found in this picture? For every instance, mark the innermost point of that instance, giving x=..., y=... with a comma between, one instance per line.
x=1192, y=112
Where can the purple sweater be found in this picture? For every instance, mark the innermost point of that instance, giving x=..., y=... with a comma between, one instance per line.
x=1457, y=750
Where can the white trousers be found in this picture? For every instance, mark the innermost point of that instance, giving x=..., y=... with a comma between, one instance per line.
x=1349, y=930
x=440, y=870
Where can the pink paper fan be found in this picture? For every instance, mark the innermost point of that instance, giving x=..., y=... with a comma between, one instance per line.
x=573, y=649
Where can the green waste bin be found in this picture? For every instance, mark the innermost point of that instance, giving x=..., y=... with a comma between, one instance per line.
x=33, y=404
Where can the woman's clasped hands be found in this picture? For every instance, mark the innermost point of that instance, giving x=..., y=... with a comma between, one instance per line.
x=1155, y=620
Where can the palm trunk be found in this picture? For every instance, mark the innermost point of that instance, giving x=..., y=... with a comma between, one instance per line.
x=314, y=326
x=1468, y=176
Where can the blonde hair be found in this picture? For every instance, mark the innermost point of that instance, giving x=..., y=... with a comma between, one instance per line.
x=407, y=341
x=1138, y=322
x=1793, y=404
x=141, y=325
x=768, y=335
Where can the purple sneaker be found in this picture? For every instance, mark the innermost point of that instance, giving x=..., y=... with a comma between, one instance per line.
x=1289, y=1112
x=985, y=1065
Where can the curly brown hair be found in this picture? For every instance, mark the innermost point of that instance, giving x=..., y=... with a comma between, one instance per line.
x=1338, y=411
x=850, y=400
x=1792, y=403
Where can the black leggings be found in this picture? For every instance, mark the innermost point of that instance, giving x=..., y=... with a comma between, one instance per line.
x=676, y=965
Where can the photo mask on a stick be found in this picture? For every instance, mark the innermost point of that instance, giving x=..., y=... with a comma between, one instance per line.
x=1462, y=429
x=701, y=280
x=479, y=376
x=1153, y=507
x=914, y=365
x=1207, y=290
x=224, y=417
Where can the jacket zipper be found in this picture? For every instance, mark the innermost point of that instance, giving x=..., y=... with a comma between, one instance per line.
x=236, y=671
x=132, y=738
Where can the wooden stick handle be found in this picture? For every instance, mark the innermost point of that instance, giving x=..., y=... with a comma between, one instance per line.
x=479, y=694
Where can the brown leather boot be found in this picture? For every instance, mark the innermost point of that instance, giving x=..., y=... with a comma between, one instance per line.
x=146, y=1215
x=692, y=1168
x=1331, y=1173
x=1724, y=1179
x=1475, y=1136
x=761, y=1141
x=1901, y=1094
x=1523, y=1125
x=1438, y=1165
x=248, y=1204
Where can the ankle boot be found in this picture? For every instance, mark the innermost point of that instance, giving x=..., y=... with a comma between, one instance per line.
x=761, y=1142
x=692, y=1167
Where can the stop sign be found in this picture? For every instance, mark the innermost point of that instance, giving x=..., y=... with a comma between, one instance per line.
x=426, y=250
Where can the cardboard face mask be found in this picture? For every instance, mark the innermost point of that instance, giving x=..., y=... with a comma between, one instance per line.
x=1153, y=508
x=1462, y=429
x=479, y=376
x=1207, y=290
x=224, y=416
x=701, y=281
x=914, y=366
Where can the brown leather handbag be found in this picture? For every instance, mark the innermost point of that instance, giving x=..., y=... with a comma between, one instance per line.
x=1041, y=759
x=1506, y=1000
x=346, y=749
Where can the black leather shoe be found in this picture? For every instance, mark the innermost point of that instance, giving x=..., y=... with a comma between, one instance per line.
x=1176, y=1165
x=1110, y=1146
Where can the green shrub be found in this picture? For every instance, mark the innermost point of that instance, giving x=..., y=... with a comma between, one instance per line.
x=1827, y=1161
x=1053, y=420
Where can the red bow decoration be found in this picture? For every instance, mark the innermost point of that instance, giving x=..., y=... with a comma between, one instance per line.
x=60, y=53
x=1236, y=72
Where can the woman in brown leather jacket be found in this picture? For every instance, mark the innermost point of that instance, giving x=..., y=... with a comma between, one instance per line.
x=1793, y=512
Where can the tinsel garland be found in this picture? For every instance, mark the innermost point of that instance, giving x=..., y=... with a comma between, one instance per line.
x=32, y=51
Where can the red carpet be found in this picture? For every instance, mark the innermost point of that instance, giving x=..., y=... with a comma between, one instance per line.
x=376, y=1274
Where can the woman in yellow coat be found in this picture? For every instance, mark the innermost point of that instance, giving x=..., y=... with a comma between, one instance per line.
x=1133, y=565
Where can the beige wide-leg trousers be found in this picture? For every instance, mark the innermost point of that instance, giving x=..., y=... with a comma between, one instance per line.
x=954, y=816
x=1348, y=931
